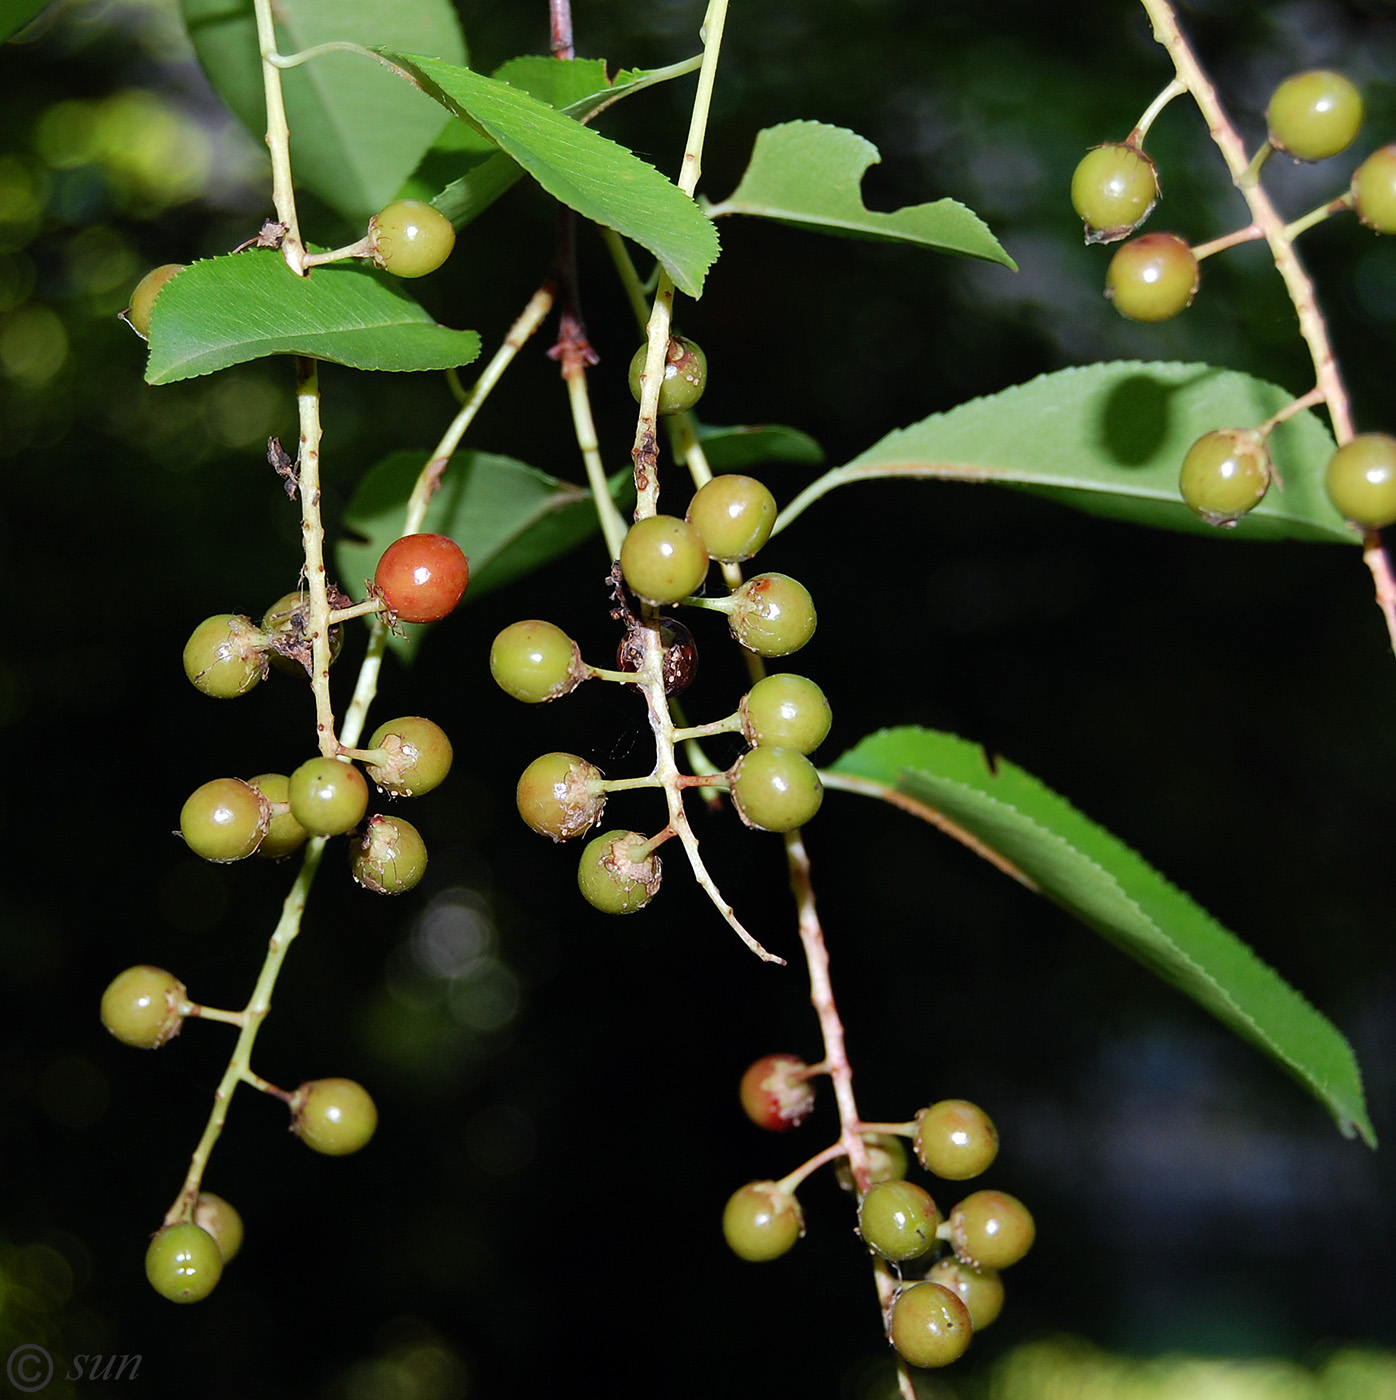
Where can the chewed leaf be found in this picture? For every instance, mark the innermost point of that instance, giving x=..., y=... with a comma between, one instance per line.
x=1036, y=835
x=810, y=174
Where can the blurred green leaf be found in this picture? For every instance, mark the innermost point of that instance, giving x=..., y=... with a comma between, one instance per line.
x=736, y=449
x=357, y=130
x=602, y=181
x=224, y=311
x=809, y=174
x=15, y=14
x=1112, y=890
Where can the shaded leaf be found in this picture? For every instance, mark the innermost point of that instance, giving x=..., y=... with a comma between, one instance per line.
x=601, y=180
x=736, y=449
x=223, y=311
x=1112, y=890
x=811, y=175
x=357, y=130
x=1110, y=439
x=15, y=14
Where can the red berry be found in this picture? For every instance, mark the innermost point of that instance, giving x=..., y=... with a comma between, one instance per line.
x=422, y=577
x=776, y=1092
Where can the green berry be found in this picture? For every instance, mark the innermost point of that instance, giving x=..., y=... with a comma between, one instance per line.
x=410, y=238
x=786, y=711
x=225, y=820
x=142, y=1006
x=762, y=1222
x=772, y=615
x=734, y=515
x=418, y=758
x=143, y=298
x=980, y=1290
x=899, y=1220
x=1152, y=278
x=535, y=661
x=1361, y=480
x=955, y=1139
x=328, y=797
x=775, y=789
x=685, y=375
x=1225, y=474
x=1113, y=189
x=560, y=795
x=1374, y=190
x=776, y=1092
x=225, y=656
x=886, y=1160
x=930, y=1325
x=991, y=1230
x=183, y=1263
x=215, y=1216
x=612, y=879
x=288, y=634
x=333, y=1116
x=663, y=559
x=1314, y=115
x=388, y=856
x=284, y=833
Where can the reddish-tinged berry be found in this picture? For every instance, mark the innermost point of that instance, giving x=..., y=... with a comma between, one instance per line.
x=762, y=1222
x=772, y=615
x=561, y=795
x=991, y=1230
x=1152, y=278
x=680, y=654
x=141, y=1007
x=422, y=577
x=930, y=1325
x=333, y=1116
x=183, y=1263
x=955, y=1139
x=534, y=661
x=611, y=877
x=776, y=1092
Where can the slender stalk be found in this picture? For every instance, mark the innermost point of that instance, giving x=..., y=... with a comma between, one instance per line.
x=278, y=140
x=1141, y=130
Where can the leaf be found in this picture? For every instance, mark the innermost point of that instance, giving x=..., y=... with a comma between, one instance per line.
x=1110, y=439
x=810, y=174
x=602, y=181
x=736, y=449
x=357, y=130
x=509, y=518
x=15, y=14
x=224, y=311
x=1112, y=890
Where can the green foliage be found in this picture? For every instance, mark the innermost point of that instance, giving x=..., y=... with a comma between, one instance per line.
x=602, y=181
x=809, y=174
x=224, y=311
x=15, y=14
x=358, y=131
x=1106, y=885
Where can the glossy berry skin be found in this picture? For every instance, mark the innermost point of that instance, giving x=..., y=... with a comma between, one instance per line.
x=734, y=515
x=991, y=1230
x=1314, y=115
x=685, y=375
x=560, y=795
x=534, y=661
x=663, y=559
x=1152, y=278
x=1374, y=190
x=422, y=577
x=141, y=1006
x=1225, y=474
x=762, y=1222
x=773, y=615
x=143, y=298
x=328, y=797
x=1113, y=189
x=955, y=1140
x=930, y=1325
x=225, y=820
x=388, y=855
x=225, y=656
x=680, y=666
x=611, y=879
x=216, y=1217
x=285, y=834
x=899, y=1220
x=776, y=1092
x=775, y=789
x=786, y=711
x=887, y=1160
x=980, y=1290
x=410, y=238
x=287, y=625
x=419, y=756
x=1361, y=480
x=183, y=1263
x=333, y=1116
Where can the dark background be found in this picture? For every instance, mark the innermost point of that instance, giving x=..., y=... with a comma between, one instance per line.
x=559, y=1128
